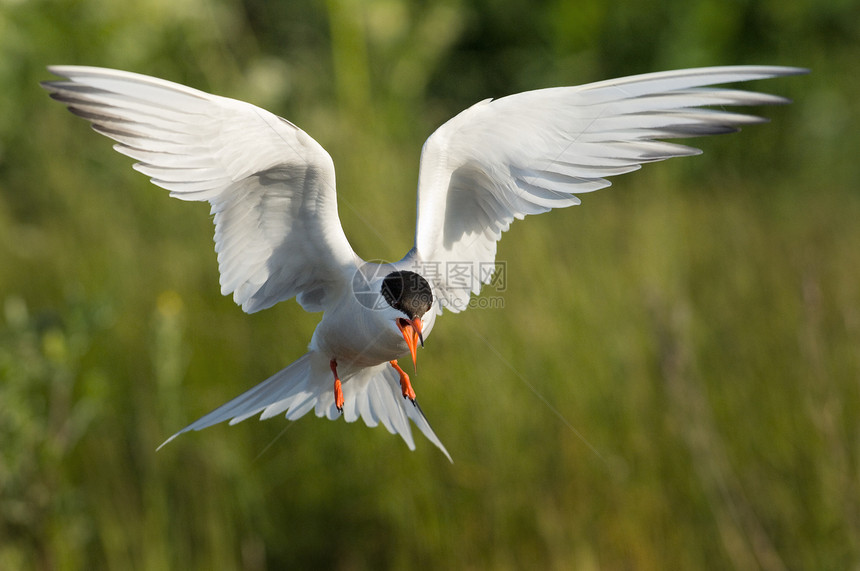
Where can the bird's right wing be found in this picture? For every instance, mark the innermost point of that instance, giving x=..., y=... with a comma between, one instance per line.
x=534, y=151
x=270, y=185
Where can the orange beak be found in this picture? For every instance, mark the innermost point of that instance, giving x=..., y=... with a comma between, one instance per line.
x=411, y=331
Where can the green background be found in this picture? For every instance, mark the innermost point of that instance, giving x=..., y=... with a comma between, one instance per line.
x=673, y=381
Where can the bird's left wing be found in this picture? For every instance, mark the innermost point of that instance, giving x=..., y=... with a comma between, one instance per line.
x=534, y=151
x=271, y=186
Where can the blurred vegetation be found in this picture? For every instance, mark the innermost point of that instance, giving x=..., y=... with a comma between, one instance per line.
x=673, y=383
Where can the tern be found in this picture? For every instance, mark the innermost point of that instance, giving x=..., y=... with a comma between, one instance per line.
x=271, y=188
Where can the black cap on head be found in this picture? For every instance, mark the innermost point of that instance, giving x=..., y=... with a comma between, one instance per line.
x=408, y=292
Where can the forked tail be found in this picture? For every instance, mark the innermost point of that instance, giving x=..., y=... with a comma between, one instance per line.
x=370, y=393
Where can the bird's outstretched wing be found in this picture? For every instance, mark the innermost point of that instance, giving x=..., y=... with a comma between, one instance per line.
x=271, y=186
x=530, y=152
x=370, y=393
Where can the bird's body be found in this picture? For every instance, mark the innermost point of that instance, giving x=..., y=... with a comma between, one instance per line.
x=271, y=188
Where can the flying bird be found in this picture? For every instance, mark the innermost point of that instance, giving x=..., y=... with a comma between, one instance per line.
x=271, y=188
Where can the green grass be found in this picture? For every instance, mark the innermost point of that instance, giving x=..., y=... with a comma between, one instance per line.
x=672, y=382
x=700, y=347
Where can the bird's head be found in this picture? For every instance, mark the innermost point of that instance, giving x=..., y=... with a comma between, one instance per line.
x=410, y=295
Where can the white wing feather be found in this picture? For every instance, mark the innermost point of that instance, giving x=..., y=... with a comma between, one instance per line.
x=271, y=186
x=534, y=151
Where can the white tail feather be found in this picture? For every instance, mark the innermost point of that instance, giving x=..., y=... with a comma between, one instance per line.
x=371, y=393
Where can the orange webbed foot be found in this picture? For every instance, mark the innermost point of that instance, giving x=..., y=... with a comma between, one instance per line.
x=405, y=385
x=338, y=391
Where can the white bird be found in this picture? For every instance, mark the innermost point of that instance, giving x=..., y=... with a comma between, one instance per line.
x=271, y=188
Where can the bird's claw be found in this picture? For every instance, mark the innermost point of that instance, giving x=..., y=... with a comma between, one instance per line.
x=405, y=384
x=338, y=390
x=338, y=396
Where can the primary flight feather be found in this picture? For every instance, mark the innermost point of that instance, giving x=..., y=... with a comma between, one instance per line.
x=271, y=188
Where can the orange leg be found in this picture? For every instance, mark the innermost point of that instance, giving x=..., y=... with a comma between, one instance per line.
x=338, y=391
x=405, y=385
